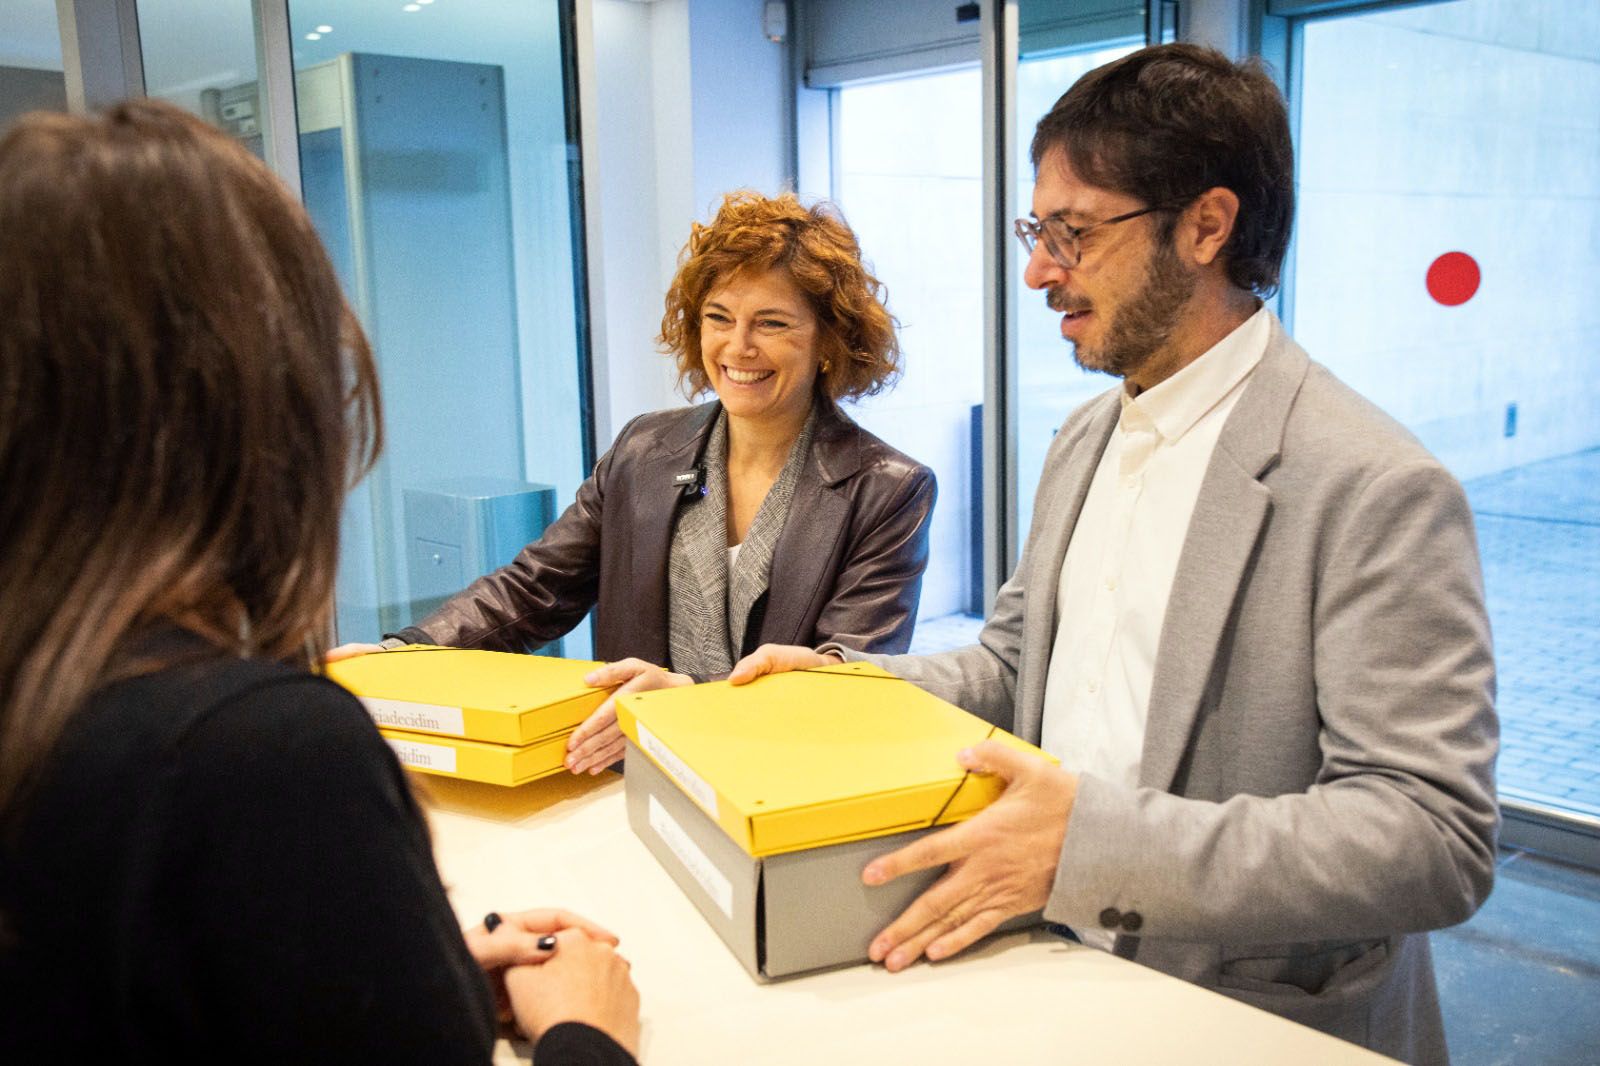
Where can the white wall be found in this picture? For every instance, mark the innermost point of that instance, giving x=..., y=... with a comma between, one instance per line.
x=689, y=104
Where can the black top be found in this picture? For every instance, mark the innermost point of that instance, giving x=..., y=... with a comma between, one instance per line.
x=224, y=859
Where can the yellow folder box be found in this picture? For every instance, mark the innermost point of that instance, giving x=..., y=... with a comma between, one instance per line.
x=815, y=757
x=479, y=695
x=495, y=764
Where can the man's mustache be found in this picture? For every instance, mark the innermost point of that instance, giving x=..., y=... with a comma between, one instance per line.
x=1059, y=299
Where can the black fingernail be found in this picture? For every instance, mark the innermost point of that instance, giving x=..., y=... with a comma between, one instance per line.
x=547, y=943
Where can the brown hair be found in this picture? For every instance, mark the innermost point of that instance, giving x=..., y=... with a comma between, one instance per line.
x=185, y=398
x=1171, y=121
x=813, y=246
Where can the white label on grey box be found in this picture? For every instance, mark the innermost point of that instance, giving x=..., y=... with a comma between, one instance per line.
x=718, y=887
x=424, y=756
x=422, y=717
x=692, y=782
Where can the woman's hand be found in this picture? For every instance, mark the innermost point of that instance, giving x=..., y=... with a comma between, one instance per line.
x=350, y=651
x=598, y=742
x=778, y=659
x=516, y=942
x=584, y=980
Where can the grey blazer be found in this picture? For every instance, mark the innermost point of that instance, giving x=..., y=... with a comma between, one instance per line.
x=1317, y=786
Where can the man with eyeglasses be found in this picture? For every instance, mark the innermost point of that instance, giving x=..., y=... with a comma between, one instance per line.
x=1248, y=618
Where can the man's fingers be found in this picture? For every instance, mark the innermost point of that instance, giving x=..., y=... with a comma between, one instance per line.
x=964, y=935
x=917, y=923
x=1002, y=760
x=935, y=849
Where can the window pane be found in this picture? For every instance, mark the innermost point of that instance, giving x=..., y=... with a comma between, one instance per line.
x=1448, y=253
x=1049, y=383
x=916, y=202
x=201, y=56
x=30, y=60
x=436, y=163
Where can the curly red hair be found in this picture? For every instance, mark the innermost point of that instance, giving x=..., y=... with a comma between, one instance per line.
x=753, y=233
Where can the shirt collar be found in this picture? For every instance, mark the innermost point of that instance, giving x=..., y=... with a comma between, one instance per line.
x=1175, y=405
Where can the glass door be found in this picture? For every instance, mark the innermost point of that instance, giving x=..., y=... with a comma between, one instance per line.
x=32, y=74
x=435, y=145
x=438, y=160
x=1448, y=160
x=1056, y=42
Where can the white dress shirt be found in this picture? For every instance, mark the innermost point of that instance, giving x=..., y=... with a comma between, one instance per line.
x=1118, y=571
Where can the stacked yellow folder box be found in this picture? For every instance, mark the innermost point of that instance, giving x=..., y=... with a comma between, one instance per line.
x=765, y=801
x=484, y=716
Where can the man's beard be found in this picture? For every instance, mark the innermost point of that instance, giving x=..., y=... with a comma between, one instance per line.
x=1143, y=325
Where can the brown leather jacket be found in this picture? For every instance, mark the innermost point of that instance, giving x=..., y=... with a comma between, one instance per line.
x=847, y=567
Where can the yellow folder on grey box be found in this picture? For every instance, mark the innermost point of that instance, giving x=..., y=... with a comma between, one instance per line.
x=481, y=715
x=765, y=801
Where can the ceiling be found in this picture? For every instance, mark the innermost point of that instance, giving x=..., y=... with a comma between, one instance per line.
x=189, y=44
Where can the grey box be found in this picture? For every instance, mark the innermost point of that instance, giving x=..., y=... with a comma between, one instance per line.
x=783, y=914
x=459, y=529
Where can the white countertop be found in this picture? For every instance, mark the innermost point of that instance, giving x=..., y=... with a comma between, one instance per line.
x=1020, y=998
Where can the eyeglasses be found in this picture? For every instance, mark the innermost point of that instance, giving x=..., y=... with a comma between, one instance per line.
x=1064, y=242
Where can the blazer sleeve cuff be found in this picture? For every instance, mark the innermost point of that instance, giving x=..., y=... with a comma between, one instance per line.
x=1092, y=875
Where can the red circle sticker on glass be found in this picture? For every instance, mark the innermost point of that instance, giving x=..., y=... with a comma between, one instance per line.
x=1453, y=278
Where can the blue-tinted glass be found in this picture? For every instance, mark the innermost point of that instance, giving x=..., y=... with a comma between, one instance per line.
x=30, y=59
x=201, y=55
x=436, y=164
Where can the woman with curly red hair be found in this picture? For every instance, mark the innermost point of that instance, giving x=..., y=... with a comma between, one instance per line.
x=763, y=516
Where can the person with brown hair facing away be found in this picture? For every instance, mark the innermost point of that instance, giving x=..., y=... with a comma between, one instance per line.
x=205, y=849
x=764, y=516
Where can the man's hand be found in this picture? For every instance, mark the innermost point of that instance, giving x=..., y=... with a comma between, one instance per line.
x=598, y=741
x=1002, y=860
x=778, y=659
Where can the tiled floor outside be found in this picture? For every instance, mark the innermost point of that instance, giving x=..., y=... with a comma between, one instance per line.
x=1539, y=532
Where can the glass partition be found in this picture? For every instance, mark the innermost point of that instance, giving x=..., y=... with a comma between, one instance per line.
x=916, y=202
x=1049, y=382
x=1449, y=157
x=31, y=77
x=439, y=161
x=202, y=56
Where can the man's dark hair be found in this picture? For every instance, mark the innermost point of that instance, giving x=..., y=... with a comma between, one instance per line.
x=1171, y=121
